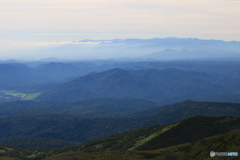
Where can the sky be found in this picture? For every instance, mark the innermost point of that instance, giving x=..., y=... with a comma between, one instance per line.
x=32, y=25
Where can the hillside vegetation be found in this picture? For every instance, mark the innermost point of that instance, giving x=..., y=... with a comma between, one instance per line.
x=189, y=109
x=196, y=150
x=144, y=84
x=154, y=140
x=151, y=138
x=19, y=128
x=162, y=82
x=101, y=107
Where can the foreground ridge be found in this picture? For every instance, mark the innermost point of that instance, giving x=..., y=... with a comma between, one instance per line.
x=180, y=140
x=228, y=142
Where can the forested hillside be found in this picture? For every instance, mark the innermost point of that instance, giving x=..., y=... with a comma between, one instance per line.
x=101, y=107
x=70, y=127
x=154, y=139
x=144, y=84
x=128, y=105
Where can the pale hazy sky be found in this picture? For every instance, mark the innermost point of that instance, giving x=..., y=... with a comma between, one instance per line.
x=34, y=23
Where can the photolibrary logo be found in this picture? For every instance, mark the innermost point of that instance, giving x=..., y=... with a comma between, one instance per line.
x=212, y=153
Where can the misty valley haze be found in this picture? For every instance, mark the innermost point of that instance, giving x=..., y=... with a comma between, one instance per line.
x=125, y=49
x=126, y=94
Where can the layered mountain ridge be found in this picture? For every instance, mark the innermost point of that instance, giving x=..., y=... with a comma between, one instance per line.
x=144, y=84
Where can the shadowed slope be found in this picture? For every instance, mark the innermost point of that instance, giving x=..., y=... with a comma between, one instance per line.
x=108, y=148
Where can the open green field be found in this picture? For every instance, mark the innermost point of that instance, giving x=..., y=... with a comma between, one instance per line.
x=21, y=96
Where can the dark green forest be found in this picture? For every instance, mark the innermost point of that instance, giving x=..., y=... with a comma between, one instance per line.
x=75, y=129
x=191, y=131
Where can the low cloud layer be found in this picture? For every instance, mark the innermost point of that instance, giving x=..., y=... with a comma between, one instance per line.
x=34, y=25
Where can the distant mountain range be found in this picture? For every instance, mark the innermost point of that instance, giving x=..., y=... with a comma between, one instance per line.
x=172, y=54
x=144, y=84
x=19, y=74
x=139, y=48
x=162, y=82
x=44, y=72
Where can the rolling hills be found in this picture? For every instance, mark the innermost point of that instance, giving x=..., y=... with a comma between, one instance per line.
x=213, y=81
x=76, y=129
x=101, y=107
x=190, y=108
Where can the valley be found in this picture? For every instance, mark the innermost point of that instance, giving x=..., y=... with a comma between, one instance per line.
x=113, y=109
x=6, y=96
x=119, y=80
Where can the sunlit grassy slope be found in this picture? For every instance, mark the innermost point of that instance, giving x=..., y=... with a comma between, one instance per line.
x=197, y=150
x=156, y=137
